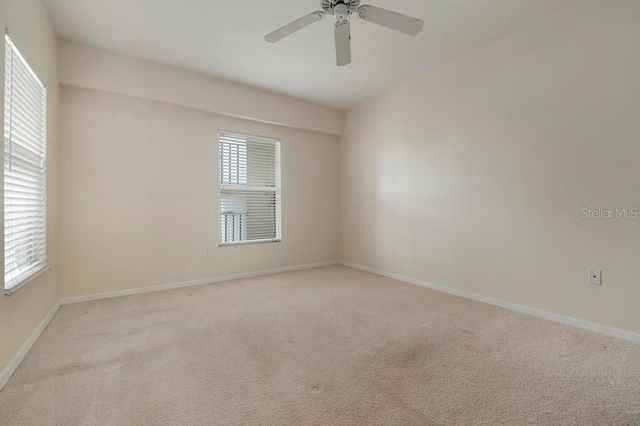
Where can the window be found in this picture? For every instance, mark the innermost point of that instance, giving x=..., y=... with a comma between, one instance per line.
x=24, y=170
x=249, y=188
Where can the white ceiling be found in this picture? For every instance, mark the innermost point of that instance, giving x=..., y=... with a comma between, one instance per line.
x=225, y=39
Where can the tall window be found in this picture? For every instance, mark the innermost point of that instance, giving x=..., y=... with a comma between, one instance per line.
x=249, y=188
x=24, y=170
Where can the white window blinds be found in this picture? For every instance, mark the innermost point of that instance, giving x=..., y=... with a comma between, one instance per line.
x=24, y=170
x=249, y=188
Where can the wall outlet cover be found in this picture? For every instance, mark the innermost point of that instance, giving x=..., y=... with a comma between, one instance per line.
x=595, y=277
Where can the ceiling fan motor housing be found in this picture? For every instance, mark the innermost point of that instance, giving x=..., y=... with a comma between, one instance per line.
x=340, y=8
x=341, y=12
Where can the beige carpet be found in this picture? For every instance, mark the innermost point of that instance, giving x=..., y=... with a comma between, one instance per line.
x=328, y=346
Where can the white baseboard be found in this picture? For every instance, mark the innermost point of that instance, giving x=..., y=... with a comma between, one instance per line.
x=586, y=325
x=202, y=281
x=8, y=371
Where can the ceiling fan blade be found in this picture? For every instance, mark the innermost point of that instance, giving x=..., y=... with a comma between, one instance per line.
x=294, y=26
x=395, y=21
x=343, y=43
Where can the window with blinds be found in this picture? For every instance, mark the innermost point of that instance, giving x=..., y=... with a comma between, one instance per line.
x=249, y=188
x=24, y=170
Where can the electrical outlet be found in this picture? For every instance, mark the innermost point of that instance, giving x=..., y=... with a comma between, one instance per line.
x=595, y=277
x=207, y=249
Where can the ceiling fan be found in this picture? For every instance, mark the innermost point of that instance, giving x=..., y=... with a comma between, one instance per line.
x=342, y=11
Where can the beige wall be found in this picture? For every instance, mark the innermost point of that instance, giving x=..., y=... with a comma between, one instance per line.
x=474, y=176
x=139, y=189
x=87, y=67
x=30, y=29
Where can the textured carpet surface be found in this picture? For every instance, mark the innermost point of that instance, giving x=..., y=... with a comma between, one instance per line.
x=327, y=346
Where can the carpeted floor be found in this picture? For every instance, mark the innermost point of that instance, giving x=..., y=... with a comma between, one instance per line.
x=327, y=346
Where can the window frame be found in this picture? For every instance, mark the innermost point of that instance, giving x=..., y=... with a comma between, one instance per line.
x=277, y=189
x=40, y=265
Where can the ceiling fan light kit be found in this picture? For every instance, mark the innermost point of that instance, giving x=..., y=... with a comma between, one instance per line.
x=342, y=10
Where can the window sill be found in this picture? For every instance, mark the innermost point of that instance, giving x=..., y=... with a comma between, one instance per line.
x=10, y=291
x=244, y=243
